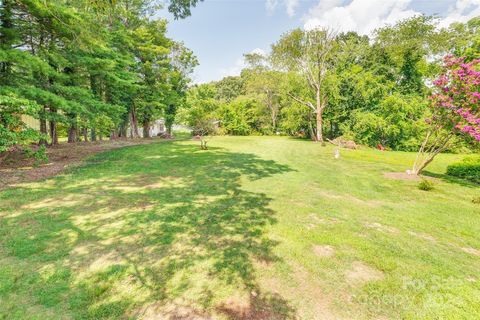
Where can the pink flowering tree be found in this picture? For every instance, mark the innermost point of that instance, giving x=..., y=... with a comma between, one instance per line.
x=455, y=107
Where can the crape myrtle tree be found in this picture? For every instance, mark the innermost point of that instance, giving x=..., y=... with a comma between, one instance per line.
x=310, y=53
x=455, y=108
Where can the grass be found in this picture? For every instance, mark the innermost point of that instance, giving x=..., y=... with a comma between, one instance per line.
x=254, y=228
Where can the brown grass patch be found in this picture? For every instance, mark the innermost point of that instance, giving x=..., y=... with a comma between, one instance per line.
x=402, y=176
x=324, y=251
x=362, y=273
x=473, y=251
x=423, y=236
x=380, y=227
x=259, y=307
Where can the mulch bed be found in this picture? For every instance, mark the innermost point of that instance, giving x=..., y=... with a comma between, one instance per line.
x=17, y=168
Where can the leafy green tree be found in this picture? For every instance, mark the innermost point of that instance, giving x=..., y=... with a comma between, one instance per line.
x=310, y=54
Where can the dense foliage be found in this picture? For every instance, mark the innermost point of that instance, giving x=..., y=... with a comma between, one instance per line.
x=87, y=68
x=467, y=169
x=373, y=90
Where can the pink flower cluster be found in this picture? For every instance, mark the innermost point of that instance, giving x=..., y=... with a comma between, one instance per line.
x=456, y=102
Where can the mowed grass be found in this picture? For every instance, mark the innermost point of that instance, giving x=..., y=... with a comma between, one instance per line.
x=254, y=228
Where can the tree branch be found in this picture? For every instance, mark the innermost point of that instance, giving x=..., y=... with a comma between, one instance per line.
x=306, y=103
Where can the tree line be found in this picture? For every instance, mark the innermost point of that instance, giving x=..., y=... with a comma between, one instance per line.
x=88, y=69
x=324, y=85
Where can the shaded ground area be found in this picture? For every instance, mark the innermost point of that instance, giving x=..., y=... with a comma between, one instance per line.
x=253, y=228
x=157, y=232
x=17, y=168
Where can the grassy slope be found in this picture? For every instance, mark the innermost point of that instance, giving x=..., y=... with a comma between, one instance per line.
x=240, y=231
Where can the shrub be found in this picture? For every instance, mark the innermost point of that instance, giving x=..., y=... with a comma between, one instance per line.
x=476, y=200
x=468, y=169
x=425, y=185
x=40, y=156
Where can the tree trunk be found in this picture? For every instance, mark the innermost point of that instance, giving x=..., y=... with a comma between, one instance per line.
x=426, y=154
x=53, y=133
x=6, y=37
x=43, y=131
x=146, y=129
x=133, y=124
x=85, y=134
x=319, y=114
x=310, y=127
x=418, y=169
x=53, y=129
x=93, y=135
x=72, y=134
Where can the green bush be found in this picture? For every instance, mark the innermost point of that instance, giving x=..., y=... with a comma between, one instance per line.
x=40, y=156
x=425, y=185
x=468, y=169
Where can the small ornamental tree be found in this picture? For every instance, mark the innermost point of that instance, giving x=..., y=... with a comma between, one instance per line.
x=455, y=108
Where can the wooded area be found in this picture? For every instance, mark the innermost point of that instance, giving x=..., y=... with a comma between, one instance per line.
x=320, y=84
x=88, y=69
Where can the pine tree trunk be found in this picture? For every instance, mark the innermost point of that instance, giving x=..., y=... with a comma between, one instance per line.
x=43, y=128
x=72, y=134
x=85, y=134
x=53, y=128
x=6, y=37
x=93, y=135
x=53, y=133
x=43, y=131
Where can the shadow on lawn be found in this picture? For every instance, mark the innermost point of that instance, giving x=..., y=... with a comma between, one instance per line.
x=160, y=231
x=451, y=179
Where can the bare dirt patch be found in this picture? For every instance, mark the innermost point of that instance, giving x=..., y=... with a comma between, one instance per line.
x=473, y=251
x=380, y=227
x=259, y=307
x=324, y=251
x=423, y=236
x=158, y=311
x=16, y=168
x=361, y=273
x=402, y=176
x=406, y=176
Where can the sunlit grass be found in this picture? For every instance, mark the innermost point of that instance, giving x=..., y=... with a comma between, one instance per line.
x=254, y=228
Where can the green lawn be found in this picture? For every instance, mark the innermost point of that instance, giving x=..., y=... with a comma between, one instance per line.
x=254, y=228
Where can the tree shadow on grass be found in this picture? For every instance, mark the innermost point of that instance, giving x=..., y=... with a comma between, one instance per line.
x=162, y=231
x=451, y=179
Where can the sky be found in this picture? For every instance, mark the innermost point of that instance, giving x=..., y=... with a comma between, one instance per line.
x=220, y=31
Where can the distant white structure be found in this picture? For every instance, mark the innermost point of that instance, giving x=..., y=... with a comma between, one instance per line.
x=157, y=127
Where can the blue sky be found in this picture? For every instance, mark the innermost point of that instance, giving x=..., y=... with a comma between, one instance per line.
x=221, y=31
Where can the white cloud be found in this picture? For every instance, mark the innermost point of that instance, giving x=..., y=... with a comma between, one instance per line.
x=233, y=70
x=239, y=64
x=462, y=11
x=364, y=16
x=290, y=6
x=271, y=5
